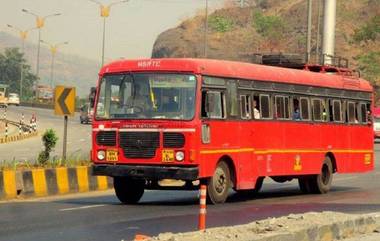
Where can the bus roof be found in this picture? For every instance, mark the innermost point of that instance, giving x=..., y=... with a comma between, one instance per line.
x=231, y=69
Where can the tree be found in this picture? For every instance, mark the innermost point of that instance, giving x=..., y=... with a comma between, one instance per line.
x=10, y=72
x=272, y=28
x=369, y=31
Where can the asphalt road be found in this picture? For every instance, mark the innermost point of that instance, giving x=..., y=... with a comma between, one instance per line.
x=99, y=216
x=78, y=143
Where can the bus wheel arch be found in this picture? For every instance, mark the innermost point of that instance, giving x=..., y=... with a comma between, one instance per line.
x=227, y=159
x=333, y=161
x=219, y=184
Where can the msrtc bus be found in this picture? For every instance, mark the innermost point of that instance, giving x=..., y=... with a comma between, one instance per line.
x=228, y=125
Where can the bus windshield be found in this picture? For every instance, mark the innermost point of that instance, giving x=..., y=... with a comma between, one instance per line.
x=146, y=96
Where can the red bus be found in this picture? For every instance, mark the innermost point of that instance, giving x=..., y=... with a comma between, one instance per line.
x=228, y=125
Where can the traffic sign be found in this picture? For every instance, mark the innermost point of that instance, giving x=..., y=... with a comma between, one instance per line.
x=64, y=101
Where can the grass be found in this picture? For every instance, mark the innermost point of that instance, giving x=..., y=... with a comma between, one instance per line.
x=72, y=161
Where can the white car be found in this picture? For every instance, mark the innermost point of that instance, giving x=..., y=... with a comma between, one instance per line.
x=13, y=99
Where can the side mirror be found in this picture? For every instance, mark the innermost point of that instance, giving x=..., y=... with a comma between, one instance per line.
x=91, y=97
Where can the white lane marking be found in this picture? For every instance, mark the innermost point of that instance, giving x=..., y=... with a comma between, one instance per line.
x=83, y=207
x=345, y=178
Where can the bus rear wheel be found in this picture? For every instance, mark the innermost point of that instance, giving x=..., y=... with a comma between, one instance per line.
x=128, y=191
x=219, y=184
x=321, y=183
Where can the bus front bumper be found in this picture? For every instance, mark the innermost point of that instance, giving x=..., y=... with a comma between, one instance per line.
x=146, y=172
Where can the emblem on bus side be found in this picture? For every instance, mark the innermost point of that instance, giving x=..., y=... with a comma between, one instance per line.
x=297, y=163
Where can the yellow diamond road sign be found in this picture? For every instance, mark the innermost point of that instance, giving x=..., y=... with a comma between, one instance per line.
x=64, y=100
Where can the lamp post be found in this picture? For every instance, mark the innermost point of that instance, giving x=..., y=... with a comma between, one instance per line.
x=53, y=50
x=206, y=30
x=23, y=36
x=104, y=13
x=40, y=23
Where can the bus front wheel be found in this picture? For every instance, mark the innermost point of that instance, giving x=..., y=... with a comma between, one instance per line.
x=219, y=184
x=128, y=191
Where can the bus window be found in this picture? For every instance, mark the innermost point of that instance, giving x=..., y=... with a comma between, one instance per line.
x=282, y=107
x=351, y=113
x=232, y=98
x=305, y=108
x=317, y=109
x=214, y=105
x=245, y=106
x=265, y=106
x=337, y=110
x=363, y=113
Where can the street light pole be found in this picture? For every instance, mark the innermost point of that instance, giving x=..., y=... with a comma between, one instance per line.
x=40, y=23
x=104, y=13
x=53, y=50
x=104, y=39
x=23, y=36
x=206, y=30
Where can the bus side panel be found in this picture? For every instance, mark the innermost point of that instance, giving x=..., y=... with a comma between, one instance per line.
x=361, y=140
x=302, y=142
x=268, y=143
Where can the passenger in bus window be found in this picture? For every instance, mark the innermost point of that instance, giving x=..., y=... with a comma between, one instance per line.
x=296, y=110
x=256, y=112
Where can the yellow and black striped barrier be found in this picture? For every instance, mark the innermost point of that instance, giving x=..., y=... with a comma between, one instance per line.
x=17, y=137
x=52, y=181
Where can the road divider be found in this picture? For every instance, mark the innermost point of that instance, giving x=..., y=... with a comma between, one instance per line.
x=313, y=226
x=42, y=182
x=24, y=130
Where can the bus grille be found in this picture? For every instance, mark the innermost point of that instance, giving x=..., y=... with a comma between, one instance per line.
x=139, y=144
x=106, y=138
x=174, y=140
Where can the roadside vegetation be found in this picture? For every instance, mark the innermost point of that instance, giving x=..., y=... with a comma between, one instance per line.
x=10, y=61
x=44, y=159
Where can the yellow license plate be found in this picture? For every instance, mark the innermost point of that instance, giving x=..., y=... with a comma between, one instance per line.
x=167, y=156
x=112, y=155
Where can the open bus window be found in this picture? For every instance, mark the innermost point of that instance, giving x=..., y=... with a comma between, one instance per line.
x=317, y=109
x=351, y=113
x=282, y=107
x=213, y=104
x=245, y=104
x=362, y=109
x=232, y=98
x=337, y=110
x=305, y=108
x=265, y=106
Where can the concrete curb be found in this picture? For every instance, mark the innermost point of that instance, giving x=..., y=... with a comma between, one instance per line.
x=50, y=181
x=17, y=137
x=325, y=226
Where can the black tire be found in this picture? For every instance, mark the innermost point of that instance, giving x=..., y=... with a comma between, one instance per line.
x=321, y=183
x=304, y=184
x=128, y=191
x=219, y=184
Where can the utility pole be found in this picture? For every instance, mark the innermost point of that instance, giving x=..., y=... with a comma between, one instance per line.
x=308, y=41
x=206, y=30
x=329, y=19
x=317, y=54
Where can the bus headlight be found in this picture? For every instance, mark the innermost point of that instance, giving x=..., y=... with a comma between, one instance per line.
x=179, y=156
x=101, y=155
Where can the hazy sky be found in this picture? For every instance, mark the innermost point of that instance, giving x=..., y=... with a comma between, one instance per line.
x=131, y=28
